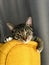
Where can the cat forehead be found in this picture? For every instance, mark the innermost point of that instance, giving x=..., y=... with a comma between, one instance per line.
x=22, y=26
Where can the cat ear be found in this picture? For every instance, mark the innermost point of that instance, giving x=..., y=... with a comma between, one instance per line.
x=10, y=26
x=29, y=21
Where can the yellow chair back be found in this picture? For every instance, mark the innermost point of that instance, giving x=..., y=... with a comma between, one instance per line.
x=16, y=52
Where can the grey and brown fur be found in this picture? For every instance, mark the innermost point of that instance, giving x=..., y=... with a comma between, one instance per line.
x=24, y=32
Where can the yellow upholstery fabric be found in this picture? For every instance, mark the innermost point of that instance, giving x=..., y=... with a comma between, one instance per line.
x=18, y=53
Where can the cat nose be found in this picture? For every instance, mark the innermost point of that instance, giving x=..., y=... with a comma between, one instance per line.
x=25, y=38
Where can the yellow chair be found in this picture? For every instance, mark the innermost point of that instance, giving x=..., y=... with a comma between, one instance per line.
x=16, y=52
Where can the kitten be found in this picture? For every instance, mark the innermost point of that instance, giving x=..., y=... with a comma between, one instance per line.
x=24, y=32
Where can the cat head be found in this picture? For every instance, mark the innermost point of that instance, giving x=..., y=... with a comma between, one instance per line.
x=22, y=31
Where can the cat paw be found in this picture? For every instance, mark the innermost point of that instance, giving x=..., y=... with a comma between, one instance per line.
x=8, y=39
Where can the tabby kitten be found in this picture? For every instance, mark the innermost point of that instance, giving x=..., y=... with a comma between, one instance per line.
x=24, y=32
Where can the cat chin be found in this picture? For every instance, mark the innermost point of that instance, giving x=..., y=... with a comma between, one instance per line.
x=28, y=40
x=25, y=42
